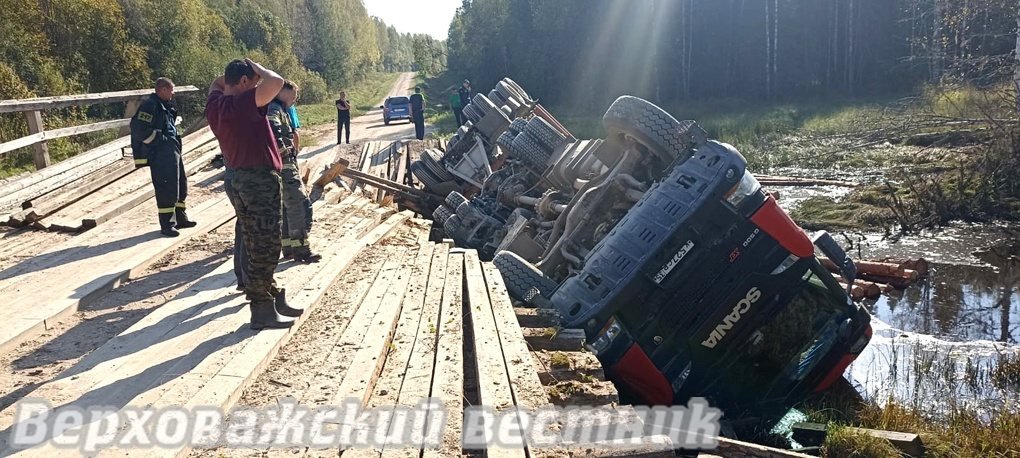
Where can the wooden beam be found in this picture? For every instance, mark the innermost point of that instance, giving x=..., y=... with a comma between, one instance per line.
x=41, y=137
x=64, y=101
x=40, y=207
x=43, y=181
x=493, y=382
x=448, y=378
x=42, y=152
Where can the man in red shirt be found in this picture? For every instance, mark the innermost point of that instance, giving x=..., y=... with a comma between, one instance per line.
x=236, y=111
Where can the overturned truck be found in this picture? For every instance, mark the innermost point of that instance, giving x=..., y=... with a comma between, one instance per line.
x=687, y=278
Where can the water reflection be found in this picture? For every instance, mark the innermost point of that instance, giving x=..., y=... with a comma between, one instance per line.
x=957, y=303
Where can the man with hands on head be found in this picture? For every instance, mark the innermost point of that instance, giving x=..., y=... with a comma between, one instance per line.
x=236, y=109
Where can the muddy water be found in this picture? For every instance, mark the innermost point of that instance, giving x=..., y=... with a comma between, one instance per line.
x=936, y=344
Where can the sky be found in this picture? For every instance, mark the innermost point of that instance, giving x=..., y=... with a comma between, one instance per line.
x=415, y=16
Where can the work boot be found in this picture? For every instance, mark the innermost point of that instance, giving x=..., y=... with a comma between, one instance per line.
x=166, y=225
x=305, y=255
x=287, y=251
x=283, y=309
x=182, y=219
x=263, y=316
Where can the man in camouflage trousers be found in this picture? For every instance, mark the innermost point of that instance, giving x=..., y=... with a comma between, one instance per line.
x=236, y=109
x=295, y=202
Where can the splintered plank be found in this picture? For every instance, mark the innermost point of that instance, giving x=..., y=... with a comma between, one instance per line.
x=527, y=388
x=493, y=382
x=46, y=205
x=448, y=375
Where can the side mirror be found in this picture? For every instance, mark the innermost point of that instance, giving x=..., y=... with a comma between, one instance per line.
x=835, y=253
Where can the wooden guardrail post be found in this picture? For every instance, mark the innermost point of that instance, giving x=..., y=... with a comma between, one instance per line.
x=35, y=126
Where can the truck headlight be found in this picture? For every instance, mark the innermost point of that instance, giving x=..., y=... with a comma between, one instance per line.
x=605, y=337
x=748, y=185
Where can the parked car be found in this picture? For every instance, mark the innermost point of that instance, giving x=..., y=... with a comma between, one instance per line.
x=688, y=279
x=396, y=108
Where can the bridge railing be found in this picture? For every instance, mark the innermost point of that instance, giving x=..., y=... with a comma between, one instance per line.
x=38, y=135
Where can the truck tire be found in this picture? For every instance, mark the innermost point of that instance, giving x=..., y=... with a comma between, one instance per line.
x=506, y=140
x=509, y=112
x=650, y=125
x=470, y=115
x=522, y=95
x=545, y=133
x=431, y=162
x=483, y=104
x=454, y=199
x=523, y=281
x=452, y=228
x=496, y=97
x=441, y=214
x=518, y=125
x=530, y=151
x=424, y=175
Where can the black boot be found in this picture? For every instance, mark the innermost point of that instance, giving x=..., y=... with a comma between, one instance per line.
x=182, y=219
x=283, y=309
x=305, y=255
x=166, y=225
x=263, y=316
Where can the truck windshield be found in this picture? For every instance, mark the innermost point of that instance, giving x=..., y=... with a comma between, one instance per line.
x=793, y=342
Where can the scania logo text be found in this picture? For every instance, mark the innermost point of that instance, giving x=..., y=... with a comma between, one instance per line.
x=732, y=318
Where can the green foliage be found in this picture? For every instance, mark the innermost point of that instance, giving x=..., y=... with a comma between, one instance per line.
x=365, y=95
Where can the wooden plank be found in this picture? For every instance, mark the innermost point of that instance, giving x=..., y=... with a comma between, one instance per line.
x=38, y=183
x=60, y=288
x=493, y=381
x=554, y=339
x=417, y=379
x=525, y=384
x=448, y=376
x=63, y=101
x=44, y=136
x=48, y=204
x=202, y=335
x=391, y=381
x=41, y=154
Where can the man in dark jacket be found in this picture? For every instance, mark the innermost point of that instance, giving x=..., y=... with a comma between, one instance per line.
x=465, y=98
x=156, y=144
x=418, y=113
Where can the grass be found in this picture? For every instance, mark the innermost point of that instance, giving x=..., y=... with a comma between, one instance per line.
x=438, y=113
x=841, y=442
x=365, y=95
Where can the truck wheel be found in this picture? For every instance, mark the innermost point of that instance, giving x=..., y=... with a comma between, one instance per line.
x=529, y=150
x=650, y=125
x=523, y=280
x=454, y=199
x=506, y=140
x=518, y=125
x=474, y=113
x=483, y=104
x=424, y=175
x=431, y=162
x=522, y=95
x=452, y=228
x=545, y=133
x=441, y=214
x=496, y=97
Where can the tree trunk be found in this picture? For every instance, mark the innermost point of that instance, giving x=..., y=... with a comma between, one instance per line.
x=850, y=32
x=1016, y=71
x=768, y=51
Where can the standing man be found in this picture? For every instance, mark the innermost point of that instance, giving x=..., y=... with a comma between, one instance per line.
x=418, y=113
x=295, y=201
x=236, y=110
x=456, y=106
x=156, y=144
x=343, y=117
x=465, y=98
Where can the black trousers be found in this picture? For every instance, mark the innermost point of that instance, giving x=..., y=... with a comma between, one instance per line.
x=343, y=120
x=170, y=184
x=419, y=125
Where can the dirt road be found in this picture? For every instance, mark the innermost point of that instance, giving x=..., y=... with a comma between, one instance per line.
x=365, y=128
